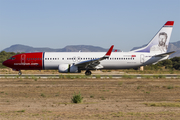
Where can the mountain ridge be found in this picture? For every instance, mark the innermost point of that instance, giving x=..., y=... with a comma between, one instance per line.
x=70, y=48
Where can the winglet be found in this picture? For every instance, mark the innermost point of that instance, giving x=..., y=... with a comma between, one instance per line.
x=109, y=51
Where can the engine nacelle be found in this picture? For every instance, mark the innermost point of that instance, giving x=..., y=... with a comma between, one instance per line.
x=68, y=68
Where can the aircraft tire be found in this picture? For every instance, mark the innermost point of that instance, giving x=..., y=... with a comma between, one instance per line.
x=20, y=73
x=88, y=72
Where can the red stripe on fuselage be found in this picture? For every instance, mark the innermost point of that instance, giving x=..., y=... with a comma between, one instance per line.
x=26, y=61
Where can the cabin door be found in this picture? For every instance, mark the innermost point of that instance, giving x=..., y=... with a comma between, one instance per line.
x=142, y=58
x=23, y=58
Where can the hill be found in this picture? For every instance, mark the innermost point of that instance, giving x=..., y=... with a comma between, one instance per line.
x=70, y=48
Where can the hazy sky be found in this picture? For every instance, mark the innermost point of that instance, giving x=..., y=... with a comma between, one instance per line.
x=58, y=23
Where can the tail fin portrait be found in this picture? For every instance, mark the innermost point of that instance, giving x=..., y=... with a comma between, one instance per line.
x=160, y=42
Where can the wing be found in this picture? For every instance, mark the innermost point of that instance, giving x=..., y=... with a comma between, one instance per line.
x=95, y=63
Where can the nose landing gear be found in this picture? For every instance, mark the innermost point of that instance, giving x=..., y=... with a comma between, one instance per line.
x=20, y=73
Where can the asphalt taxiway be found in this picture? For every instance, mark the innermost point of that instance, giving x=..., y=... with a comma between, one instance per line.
x=92, y=76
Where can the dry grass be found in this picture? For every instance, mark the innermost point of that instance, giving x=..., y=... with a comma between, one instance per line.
x=102, y=99
x=162, y=104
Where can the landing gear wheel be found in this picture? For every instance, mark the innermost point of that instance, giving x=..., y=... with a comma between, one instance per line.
x=88, y=72
x=20, y=73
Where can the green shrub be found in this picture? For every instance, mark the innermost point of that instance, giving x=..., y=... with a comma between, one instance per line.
x=110, y=76
x=171, y=71
x=178, y=76
x=128, y=76
x=26, y=77
x=35, y=79
x=120, y=83
x=77, y=98
x=156, y=76
x=62, y=77
x=43, y=95
x=98, y=76
x=92, y=96
x=21, y=111
x=146, y=76
x=138, y=87
x=68, y=77
x=77, y=76
x=102, y=98
x=162, y=76
x=170, y=87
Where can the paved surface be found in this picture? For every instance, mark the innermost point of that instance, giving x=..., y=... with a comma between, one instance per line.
x=92, y=76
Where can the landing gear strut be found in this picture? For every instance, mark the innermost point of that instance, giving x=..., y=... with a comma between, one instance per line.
x=20, y=73
x=88, y=72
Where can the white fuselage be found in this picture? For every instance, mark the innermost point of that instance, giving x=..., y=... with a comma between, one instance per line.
x=117, y=60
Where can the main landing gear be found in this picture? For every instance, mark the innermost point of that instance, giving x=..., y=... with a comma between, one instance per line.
x=20, y=73
x=88, y=72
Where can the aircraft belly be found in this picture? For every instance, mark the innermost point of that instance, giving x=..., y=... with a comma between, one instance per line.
x=119, y=65
x=51, y=65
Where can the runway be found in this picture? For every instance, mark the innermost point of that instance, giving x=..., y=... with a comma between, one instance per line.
x=92, y=76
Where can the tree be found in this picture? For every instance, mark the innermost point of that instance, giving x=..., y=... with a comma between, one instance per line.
x=176, y=63
x=4, y=56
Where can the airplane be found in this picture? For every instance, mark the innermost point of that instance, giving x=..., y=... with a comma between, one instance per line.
x=74, y=62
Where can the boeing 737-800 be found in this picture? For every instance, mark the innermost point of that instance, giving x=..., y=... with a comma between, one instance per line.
x=74, y=62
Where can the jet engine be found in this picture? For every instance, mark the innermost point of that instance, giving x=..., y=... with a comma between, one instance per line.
x=68, y=68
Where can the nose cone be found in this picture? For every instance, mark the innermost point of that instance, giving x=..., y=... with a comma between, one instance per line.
x=5, y=63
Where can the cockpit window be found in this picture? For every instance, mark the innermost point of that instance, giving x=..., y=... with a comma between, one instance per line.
x=12, y=58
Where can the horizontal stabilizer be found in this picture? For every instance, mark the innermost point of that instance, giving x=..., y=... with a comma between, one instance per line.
x=165, y=54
